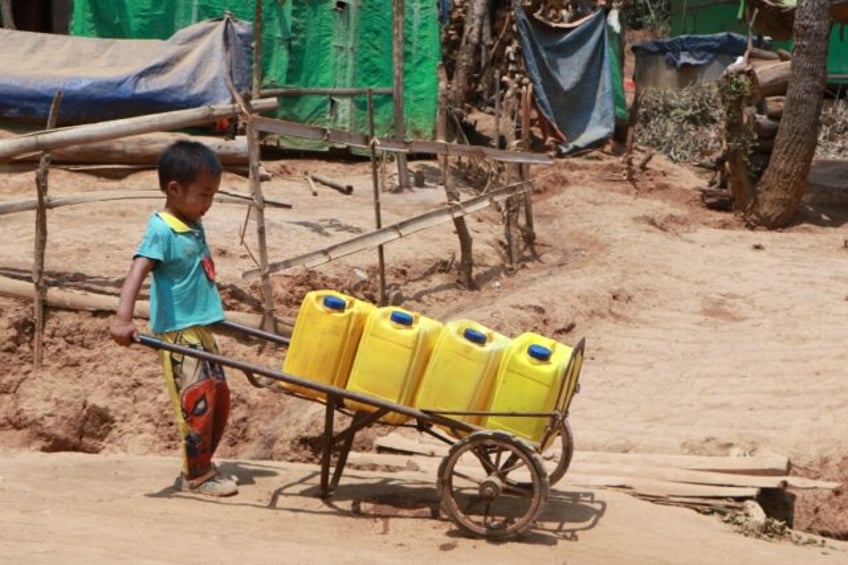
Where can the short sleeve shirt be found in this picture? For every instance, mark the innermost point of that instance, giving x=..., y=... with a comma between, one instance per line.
x=182, y=293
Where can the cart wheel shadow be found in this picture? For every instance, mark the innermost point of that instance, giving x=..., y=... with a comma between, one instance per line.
x=564, y=516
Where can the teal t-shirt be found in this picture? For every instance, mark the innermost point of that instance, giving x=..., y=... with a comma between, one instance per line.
x=182, y=293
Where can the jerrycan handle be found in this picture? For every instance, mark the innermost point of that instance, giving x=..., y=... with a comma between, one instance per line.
x=474, y=336
x=335, y=303
x=402, y=318
x=539, y=352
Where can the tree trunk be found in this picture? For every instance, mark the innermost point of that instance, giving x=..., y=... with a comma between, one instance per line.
x=6, y=14
x=466, y=56
x=784, y=181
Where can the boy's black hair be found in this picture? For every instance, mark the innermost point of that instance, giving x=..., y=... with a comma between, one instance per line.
x=182, y=161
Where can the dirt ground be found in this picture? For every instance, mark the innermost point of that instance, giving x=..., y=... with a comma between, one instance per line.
x=703, y=337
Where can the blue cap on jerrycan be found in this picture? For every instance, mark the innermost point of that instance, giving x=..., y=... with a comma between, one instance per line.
x=539, y=352
x=335, y=303
x=474, y=336
x=402, y=318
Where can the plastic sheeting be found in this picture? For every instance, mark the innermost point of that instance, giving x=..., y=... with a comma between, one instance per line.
x=570, y=69
x=308, y=43
x=695, y=50
x=104, y=79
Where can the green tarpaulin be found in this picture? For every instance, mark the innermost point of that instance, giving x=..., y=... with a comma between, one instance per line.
x=307, y=43
x=714, y=16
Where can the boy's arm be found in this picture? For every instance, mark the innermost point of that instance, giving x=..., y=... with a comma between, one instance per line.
x=123, y=330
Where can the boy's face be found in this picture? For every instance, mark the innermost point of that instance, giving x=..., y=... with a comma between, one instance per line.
x=190, y=201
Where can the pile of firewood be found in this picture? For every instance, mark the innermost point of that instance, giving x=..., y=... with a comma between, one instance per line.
x=753, y=91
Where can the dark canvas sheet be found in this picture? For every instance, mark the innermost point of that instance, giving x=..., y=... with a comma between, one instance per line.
x=103, y=79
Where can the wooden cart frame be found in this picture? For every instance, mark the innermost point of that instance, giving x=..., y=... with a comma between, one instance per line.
x=491, y=483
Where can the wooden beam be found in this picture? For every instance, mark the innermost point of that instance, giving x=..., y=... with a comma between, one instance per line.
x=113, y=129
x=393, y=232
x=143, y=149
x=294, y=129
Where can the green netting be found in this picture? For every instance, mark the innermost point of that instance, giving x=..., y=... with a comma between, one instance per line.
x=307, y=43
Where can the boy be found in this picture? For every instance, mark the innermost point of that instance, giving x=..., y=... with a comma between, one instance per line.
x=184, y=301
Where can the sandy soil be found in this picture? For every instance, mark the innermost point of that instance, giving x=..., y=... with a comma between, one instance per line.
x=702, y=337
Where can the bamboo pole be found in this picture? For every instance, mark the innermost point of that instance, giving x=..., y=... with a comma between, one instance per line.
x=393, y=232
x=378, y=221
x=304, y=131
x=112, y=129
x=29, y=204
x=92, y=302
x=273, y=92
x=398, y=19
x=255, y=183
x=40, y=291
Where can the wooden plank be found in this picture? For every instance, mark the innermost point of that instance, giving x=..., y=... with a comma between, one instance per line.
x=764, y=464
x=656, y=487
x=696, y=477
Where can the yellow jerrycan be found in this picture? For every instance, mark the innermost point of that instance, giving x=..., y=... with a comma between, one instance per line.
x=462, y=370
x=324, y=340
x=529, y=378
x=391, y=358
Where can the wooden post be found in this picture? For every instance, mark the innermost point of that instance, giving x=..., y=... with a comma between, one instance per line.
x=376, y=180
x=497, y=110
x=7, y=14
x=257, y=50
x=528, y=232
x=40, y=295
x=397, y=86
x=466, y=262
x=255, y=182
x=511, y=205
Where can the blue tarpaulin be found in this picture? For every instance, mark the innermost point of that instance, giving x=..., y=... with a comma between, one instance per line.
x=104, y=79
x=695, y=50
x=570, y=71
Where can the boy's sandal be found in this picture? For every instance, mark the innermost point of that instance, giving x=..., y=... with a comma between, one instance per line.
x=210, y=484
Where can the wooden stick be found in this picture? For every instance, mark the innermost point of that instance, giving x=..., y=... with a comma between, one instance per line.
x=40, y=292
x=311, y=184
x=394, y=231
x=378, y=221
x=255, y=182
x=326, y=181
x=112, y=129
x=466, y=263
x=529, y=231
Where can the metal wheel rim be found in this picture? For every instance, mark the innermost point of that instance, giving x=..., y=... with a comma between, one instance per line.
x=481, y=460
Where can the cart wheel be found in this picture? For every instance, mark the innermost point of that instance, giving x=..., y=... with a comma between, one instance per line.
x=492, y=485
x=565, y=441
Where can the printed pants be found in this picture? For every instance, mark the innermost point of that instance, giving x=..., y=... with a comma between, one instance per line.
x=200, y=398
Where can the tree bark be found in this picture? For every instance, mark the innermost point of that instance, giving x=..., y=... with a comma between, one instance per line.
x=783, y=184
x=468, y=49
x=7, y=15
